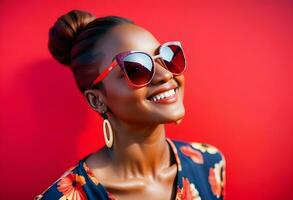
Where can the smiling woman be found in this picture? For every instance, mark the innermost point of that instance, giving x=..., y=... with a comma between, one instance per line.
x=136, y=84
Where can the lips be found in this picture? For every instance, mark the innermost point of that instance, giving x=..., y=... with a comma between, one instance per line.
x=164, y=92
x=163, y=95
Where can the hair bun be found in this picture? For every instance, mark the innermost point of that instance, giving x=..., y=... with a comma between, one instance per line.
x=64, y=32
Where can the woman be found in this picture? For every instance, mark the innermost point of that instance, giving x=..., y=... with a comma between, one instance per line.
x=136, y=84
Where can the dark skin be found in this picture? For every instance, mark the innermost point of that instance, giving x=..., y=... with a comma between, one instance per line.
x=140, y=164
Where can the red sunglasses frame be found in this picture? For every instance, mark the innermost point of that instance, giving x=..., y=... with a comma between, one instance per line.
x=119, y=59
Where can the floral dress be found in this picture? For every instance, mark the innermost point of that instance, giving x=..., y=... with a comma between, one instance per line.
x=200, y=176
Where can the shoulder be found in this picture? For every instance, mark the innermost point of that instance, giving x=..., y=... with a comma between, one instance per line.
x=54, y=191
x=207, y=157
x=202, y=155
x=200, y=152
x=215, y=165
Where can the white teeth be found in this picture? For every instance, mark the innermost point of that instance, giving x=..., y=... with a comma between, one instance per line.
x=163, y=95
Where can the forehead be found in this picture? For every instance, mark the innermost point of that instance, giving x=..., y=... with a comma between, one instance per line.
x=126, y=37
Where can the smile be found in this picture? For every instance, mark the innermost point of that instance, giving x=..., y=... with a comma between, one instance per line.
x=169, y=96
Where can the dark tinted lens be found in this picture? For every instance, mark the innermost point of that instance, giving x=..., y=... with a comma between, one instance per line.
x=173, y=58
x=139, y=68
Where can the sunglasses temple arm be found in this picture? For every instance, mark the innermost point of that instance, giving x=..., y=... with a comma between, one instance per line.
x=105, y=72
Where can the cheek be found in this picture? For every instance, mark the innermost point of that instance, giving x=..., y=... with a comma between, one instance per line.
x=123, y=101
x=181, y=82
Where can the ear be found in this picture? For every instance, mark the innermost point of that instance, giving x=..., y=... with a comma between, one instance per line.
x=96, y=100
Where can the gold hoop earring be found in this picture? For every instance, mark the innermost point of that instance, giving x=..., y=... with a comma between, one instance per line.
x=107, y=129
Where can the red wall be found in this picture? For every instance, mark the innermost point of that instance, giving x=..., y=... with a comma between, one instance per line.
x=239, y=91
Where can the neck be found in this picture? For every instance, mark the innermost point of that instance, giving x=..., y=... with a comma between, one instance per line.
x=140, y=151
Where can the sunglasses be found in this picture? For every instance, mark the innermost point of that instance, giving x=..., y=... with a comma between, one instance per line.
x=138, y=67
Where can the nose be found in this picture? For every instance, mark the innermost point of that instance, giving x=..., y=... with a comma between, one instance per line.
x=162, y=74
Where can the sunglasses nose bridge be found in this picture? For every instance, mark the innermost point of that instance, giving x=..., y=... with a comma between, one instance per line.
x=161, y=73
x=157, y=57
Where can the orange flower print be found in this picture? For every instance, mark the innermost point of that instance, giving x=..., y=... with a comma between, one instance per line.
x=40, y=196
x=204, y=147
x=187, y=192
x=195, y=155
x=217, y=179
x=71, y=187
x=90, y=174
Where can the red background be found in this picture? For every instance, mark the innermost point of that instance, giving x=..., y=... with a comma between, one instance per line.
x=239, y=91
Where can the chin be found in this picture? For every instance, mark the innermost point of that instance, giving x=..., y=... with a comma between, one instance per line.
x=175, y=116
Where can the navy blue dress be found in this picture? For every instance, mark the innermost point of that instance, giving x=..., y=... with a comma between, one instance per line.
x=200, y=176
